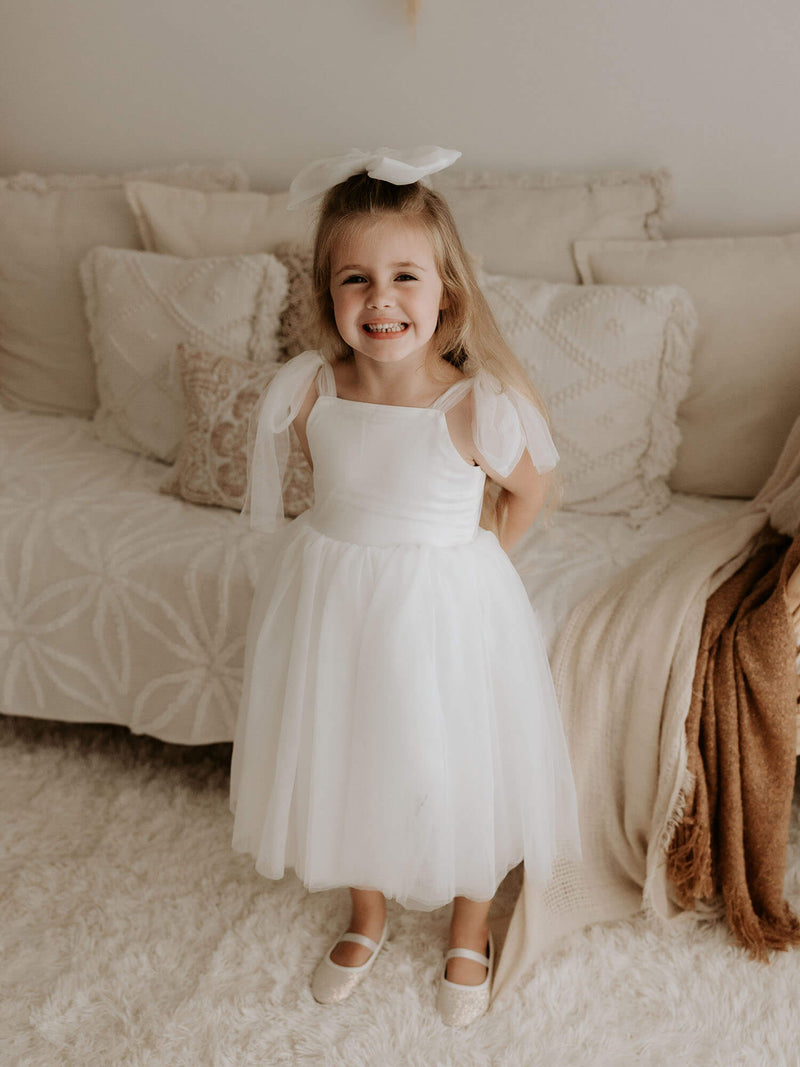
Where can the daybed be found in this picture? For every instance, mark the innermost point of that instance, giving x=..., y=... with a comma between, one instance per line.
x=125, y=603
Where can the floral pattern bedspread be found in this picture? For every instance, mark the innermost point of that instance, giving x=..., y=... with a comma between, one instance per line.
x=117, y=603
x=120, y=604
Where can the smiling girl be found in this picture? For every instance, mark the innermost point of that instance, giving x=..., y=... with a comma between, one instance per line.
x=398, y=731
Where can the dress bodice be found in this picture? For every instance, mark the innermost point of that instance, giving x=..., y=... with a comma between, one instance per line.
x=384, y=474
x=387, y=475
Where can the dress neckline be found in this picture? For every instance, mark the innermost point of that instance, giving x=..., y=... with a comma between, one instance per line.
x=334, y=395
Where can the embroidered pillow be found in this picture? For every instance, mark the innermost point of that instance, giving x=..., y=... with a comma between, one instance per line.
x=140, y=306
x=612, y=363
x=219, y=395
x=47, y=225
x=296, y=333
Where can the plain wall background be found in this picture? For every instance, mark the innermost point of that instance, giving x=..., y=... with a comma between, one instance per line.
x=708, y=88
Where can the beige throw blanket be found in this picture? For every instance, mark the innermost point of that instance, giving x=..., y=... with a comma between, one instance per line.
x=623, y=669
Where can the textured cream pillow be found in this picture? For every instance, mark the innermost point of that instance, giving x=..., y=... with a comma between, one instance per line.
x=219, y=395
x=612, y=364
x=524, y=224
x=140, y=306
x=47, y=225
x=183, y=222
x=745, y=388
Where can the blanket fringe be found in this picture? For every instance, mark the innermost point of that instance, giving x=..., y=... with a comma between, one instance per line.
x=689, y=866
x=759, y=935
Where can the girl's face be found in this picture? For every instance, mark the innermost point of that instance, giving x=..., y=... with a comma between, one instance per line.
x=386, y=291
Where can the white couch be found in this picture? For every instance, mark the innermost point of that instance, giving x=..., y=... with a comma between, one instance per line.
x=121, y=604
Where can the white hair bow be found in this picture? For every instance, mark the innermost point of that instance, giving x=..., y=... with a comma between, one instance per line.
x=399, y=166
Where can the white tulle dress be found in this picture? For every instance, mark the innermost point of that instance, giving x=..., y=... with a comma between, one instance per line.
x=398, y=727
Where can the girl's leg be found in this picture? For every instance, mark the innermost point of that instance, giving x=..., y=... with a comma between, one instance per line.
x=469, y=928
x=369, y=913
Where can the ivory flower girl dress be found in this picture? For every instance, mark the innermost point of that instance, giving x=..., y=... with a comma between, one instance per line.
x=398, y=727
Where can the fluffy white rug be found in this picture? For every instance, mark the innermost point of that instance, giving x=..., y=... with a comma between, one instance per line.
x=133, y=935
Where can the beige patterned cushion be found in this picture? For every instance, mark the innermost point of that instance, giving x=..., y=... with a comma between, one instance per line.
x=140, y=306
x=219, y=396
x=296, y=332
x=612, y=363
x=745, y=389
x=47, y=225
x=524, y=224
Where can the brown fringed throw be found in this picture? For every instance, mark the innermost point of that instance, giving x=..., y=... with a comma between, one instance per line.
x=741, y=738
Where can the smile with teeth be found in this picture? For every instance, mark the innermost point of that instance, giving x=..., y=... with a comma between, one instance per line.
x=385, y=327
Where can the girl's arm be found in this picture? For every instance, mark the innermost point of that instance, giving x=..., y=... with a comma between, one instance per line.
x=522, y=492
x=522, y=496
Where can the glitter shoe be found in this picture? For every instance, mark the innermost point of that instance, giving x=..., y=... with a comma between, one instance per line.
x=332, y=982
x=460, y=1004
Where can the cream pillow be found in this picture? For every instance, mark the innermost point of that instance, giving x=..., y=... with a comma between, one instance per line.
x=516, y=223
x=140, y=306
x=219, y=396
x=190, y=223
x=612, y=364
x=47, y=225
x=524, y=224
x=745, y=390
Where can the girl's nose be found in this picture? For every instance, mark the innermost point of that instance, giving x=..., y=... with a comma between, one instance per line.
x=380, y=297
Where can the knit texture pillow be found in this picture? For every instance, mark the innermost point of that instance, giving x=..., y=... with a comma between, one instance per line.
x=612, y=363
x=190, y=223
x=219, y=396
x=47, y=225
x=140, y=306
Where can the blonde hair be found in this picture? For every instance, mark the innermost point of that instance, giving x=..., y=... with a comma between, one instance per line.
x=467, y=335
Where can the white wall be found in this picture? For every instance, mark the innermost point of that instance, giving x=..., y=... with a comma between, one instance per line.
x=708, y=88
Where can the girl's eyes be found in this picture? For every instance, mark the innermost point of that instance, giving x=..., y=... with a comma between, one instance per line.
x=358, y=279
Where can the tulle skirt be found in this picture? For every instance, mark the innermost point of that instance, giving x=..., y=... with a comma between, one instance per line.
x=398, y=728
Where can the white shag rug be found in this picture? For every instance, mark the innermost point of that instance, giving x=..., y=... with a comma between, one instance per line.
x=133, y=936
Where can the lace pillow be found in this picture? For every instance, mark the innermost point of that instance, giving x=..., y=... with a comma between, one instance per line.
x=47, y=225
x=612, y=363
x=219, y=396
x=140, y=306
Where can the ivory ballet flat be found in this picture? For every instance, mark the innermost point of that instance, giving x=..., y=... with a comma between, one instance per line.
x=460, y=1004
x=333, y=982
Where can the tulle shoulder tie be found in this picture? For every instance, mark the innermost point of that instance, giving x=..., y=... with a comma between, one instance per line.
x=268, y=442
x=505, y=423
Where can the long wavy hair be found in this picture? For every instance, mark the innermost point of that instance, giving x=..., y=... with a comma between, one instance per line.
x=466, y=336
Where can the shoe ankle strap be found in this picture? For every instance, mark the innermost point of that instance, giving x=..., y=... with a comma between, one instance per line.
x=467, y=954
x=360, y=939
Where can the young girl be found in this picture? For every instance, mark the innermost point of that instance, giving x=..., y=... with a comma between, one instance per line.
x=398, y=731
